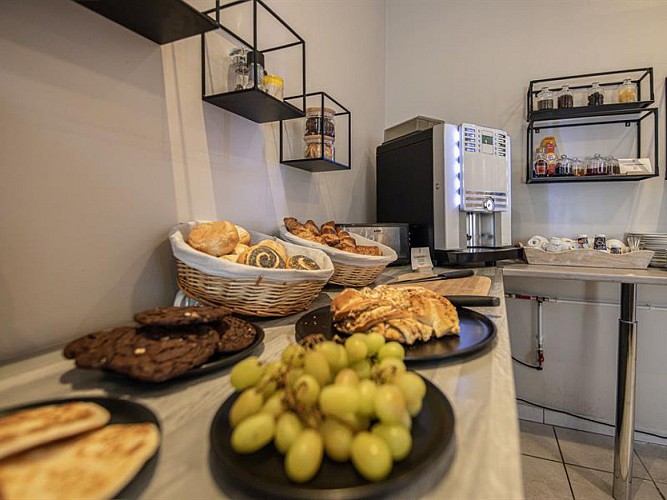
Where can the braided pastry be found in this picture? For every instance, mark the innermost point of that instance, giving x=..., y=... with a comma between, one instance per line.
x=302, y=262
x=262, y=256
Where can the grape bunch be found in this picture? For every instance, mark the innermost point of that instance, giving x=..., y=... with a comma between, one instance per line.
x=353, y=401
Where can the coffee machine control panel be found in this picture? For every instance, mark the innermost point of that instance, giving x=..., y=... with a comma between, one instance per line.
x=484, y=169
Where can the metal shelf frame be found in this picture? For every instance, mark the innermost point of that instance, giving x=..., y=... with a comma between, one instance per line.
x=320, y=164
x=248, y=103
x=586, y=116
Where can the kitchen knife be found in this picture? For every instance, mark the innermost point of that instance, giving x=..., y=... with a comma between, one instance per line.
x=459, y=273
x=473, y=300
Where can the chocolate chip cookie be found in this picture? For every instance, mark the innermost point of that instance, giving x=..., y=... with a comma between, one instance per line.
x=235, y=335
x=174, y=316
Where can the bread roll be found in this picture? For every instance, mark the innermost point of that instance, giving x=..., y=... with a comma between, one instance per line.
x=278, y=247
x=244, y=236
x=239, y=249
x=214, y=238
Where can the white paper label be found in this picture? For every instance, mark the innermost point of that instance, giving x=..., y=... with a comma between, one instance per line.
x=421, y=260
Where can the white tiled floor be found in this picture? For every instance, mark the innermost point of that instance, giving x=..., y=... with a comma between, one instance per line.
x=564, y=463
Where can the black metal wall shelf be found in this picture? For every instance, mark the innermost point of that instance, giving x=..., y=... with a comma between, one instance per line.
x=629, y=113
x=162, y=21
x=321, y=163
x=253, y=103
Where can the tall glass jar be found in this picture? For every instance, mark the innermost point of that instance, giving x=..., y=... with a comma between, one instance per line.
x=545, y=99
x=540, y=166
x=578, y=167
x=627, y=92
x=255, y=63
x=595, y=95
x=320, y=121
x=565, y=98
x=237, y=74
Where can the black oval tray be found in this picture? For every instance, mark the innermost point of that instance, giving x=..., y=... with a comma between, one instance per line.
x=477, y=333
x=261, y=474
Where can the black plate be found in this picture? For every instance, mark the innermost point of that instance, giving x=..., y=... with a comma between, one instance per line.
x=215, y=363
x=477, y=332
x=261, y=474
x=122, y=412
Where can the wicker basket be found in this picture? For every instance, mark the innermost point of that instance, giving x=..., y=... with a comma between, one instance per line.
x=254, y=297
x=349, y=269
x=246, y=289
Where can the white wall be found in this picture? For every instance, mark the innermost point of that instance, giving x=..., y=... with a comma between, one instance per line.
x=106, y=143
x=472, y=61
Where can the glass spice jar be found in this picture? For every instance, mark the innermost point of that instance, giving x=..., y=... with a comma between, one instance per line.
x=545, y=99
x=320, y=121
x=565, y=98
x=596, y=166
x=578, y=167
x=595, y=95
x=627, y=92
x=237, y=74
x=314, y=147
x=564, y=166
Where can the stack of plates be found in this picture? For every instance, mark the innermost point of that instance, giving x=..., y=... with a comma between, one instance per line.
x=656, y=242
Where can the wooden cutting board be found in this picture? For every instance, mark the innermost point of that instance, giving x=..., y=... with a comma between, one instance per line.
x=472, y=285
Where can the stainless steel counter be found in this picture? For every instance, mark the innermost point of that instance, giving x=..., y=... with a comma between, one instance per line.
x=487, y=461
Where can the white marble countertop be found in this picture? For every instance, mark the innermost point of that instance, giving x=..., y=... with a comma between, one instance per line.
x=649, y=276
x=486, y=465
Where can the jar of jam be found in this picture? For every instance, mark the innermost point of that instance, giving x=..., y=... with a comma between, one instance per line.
x=597, y=166
x=314, y=145
x=540, y=166
x=578, y=167
x=627, y=92
x=565, y=98
x=545, y=99
x=595, y=95
x=320, y=121
x=564, y=166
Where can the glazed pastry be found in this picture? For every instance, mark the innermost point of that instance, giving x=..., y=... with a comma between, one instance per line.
x=291, y=224
x=331, y=239
x=312, y=227
x=302, y=262
x=244, y=236
x=262, y=256
x=280, y=249
x=368, y=250
x=328, y=227
x=214, y=238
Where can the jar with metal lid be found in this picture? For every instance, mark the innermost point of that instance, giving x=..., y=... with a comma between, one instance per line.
x=578, y=167
x=237, y=74
x=320, y=121
x=540, y=166
x=565, y=98
x=314, y=145
x=255, y=63
x=545, y=99
x=564, y=166
x=627, y=92
x=596, y=166
x=613, y=166
x=595, y=95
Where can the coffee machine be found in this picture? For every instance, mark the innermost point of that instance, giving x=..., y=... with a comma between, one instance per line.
x=452, y=184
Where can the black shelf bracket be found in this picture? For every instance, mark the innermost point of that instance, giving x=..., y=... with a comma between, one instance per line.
x=253, y=103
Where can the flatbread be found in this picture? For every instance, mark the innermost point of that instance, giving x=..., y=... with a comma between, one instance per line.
x=26, y=429
x=98, y=464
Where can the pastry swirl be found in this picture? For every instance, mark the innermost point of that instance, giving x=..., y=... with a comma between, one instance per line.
x=302, y=262
x=263, y=256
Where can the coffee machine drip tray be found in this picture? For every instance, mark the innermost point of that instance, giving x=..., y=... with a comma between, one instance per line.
x=475, y=255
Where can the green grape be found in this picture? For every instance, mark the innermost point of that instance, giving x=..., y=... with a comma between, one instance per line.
x=389, y=404
x=339, y=400
x=390, y=367
x=371, y=456
x=253, y=433
x=293, y=355
x=356, y=348
x=391, y=350
x=367, y=390
x=397, y=437
x=306, y=389
x=292, y=375
x=288, y=427
x=304, y=456
x=347, y=376
x=337, y=440
x=316, y=364
x=267, y=385
x=406, y=419
x=246, y=373
x=356, y=421
x=330, y=351
x=413, y=387
x=414, y=407
x=275, y=405
x=374, y=341
x=248, y=403
x=343, y=360
x=363, y=368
